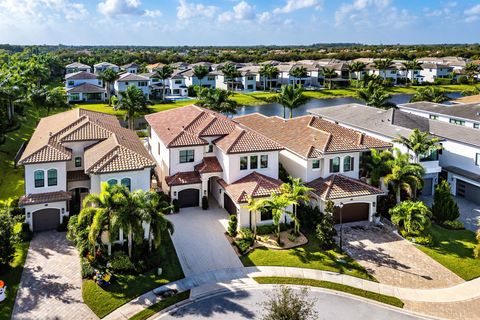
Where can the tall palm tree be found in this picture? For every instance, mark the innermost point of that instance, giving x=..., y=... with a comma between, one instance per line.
x=471, y=69
x=291, y=97
x=255, y=206
x=164, y=73
x=200, y=72
x=357, y=67
x=297, y=193
x=273, y=73
x=108, y=76
x=133, y=101
x=411, y=216
x=411, y=67
x=298, y=72
x=329, y=74
x=230, y=72
x=277, y=204
x=217, y=100
x=264, y=73
x=382, y=65
x=431, y=94
x=375, y=95
x=376, y=165
x=419, y=143
x=404, y=175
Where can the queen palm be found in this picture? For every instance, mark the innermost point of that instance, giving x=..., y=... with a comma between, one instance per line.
x=200, y=72
x=471, y=69
x=404, y=175
x=164, y=73
x=297, y=193
x=264, y=72
x=375, y=95
x=376, y=165
x=298, y=72
x=382, y=65
x=255, y=206
x=411, y=216
x=133, y=101
x=329, y=74
x=411, y=66
x=277, y=204
x=431, y=94
x=273, y=73
x=419, y=143
x=230, y=72
x=290, y=97
x=217, y=100
x=356, y=67
x=108, y=76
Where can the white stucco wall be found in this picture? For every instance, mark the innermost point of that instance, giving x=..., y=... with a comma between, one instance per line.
x=459, y=155
x=243, y=215
x=140, y=180
x=30, y=211
x=78, y=150
x=77, y=82
x=233, y=172
x=30, y=178
x=121, y=86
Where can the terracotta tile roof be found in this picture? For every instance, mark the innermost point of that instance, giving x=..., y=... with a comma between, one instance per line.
x=338, y=186
x=47, y=197
x=209, y=164
x=310, y=136
x=180, y=178
x=254, y=185
x=189, y=125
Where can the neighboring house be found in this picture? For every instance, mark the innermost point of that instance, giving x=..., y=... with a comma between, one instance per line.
x=459, y=161
x=176, y=85
x=201, y=153
x=102, y=66
x=131, y=68
x=77, y=67
x=192, y=80
x=153, y=67
x=247, y=81
x=327, y=157
x=391, y=73
x=84, y=86
x=129, y=79
x=69, y=155
x=431, y=71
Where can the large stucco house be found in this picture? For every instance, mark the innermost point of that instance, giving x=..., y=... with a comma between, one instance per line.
x=71, y=154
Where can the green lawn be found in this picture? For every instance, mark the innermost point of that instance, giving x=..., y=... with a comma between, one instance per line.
x=454, y=250
x=105, y=108
x=332, y=286
x=159, y=306
x=127, y=287
x=12, y=280
x=307, y=256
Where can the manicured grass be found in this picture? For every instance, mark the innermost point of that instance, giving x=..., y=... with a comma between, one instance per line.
x=332, y=286
x=127, y=287
x=12, y=278
x=454, y=250
x=254, y=98
x=159, y=306
x=307, y=256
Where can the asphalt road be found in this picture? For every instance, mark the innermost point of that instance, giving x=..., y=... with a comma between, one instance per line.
x=247, y=304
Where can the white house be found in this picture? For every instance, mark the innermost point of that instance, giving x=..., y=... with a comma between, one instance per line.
x=432, y=71
x=84, y=86
x=102, y=66
x=176, y=85
x=191, y=80
x=69, y=155
x=130, y=68
x=201, y=153
x=77, y=67
x=129, y=79
x=247, y=81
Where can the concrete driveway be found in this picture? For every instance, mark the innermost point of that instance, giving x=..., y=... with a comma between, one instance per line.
x=200, y=241
x=393, y=260
x=51, y=284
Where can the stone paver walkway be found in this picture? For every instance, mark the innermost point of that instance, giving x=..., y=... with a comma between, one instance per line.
x=393, y=260
x=51, y=284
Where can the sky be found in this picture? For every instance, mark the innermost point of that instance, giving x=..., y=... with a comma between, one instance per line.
x=238, y=22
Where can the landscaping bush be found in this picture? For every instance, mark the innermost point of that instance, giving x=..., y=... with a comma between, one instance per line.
x=204, y=203
x=121, y=263
x=292, y=237
x=411, y=217
x=270, y=229
x=385, y=203
x=453, y=225
x=309, y=216
x=242, y=245
x=7, y=248
x=442, y=81
x=422, y=239
x=142, y=134
x=62, y=227
x=476, y=251
x=176, y=206
x=232, y=225
x=462, y=80
x=444, y=207
x=25, y=234
x=87, y=270
x=247, y=234
x=326, y=232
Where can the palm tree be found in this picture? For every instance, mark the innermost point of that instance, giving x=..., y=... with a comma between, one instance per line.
x=431, y=94
x=419, y=143
x=356, y=67
x=277, y=204
x=329, y=74
x=273, y=73
x=164, y=73
x=411, y=66
x=298, y=73
x=108, y=76
x=297, y=193
x=264, y=73
x=255, y=206
x=376, y=165
x=56, y=98
x=10, y=94
x=375, y=95
x=230, y=72
x=404, y=175
x=382, y=65
x=290, y=97
x=133, y=101
x=471, y=69
x=411, y=216
x=200, y=72
x=217, y=100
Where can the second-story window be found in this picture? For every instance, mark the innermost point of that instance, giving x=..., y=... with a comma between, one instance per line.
x=244, y=163
x=39, y=177
x=316, y=164
x=209, y=148
x=112, y=182
x=178, y=81
x=71, y=83
x=78, y=162
x=433, y=117
x=264, y=161
x=476, y=126
x=52, y=177
x=253, y=162
x=335, y=165
x=456, y=121
x=187, y=156
x=127, y=182
x=477, y=159
x=348, y=164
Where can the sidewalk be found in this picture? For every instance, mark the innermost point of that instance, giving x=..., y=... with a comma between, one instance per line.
x=243, y=276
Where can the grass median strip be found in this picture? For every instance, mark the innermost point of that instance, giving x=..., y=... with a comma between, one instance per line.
x=159, y=306
x=332, y=286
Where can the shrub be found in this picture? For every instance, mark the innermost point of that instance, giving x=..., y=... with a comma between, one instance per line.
x=442, y=81
x=422, y=239
x=462, y=80
x=7, y=249
x=326, y=232
x=62, y=227
x=453, y=225
x=176, y=206
x=385, y=203
x=413, y=217
x=232, y=225
x=87, y=269
x=292, y=237
x=204, y=203
x=121, y=263
x=142, y=134
x=444, y=206
x=25, y=234
x=242, y=245
x=247, y=235
x=270, y=229
x=309, y=216
x=286, y=303
x=476, y=251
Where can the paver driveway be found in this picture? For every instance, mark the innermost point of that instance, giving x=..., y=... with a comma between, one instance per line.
x=51, y=285
x=395, y=261
x=200, y=241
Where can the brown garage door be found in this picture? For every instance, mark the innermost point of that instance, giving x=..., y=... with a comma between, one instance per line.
x=188, y=198
x=46, y=219
x=352, y=212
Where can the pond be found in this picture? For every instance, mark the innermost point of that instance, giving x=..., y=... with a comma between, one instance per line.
x=275, y=109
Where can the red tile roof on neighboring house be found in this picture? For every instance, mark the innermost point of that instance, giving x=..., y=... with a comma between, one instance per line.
x=181, y=178
x=208, y=165
x=310, y=136
x=254, y=185
x=338, y=186
x=47, y=197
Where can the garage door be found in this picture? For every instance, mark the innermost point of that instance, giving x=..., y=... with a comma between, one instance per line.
x=352, y=212
x=468, y=191
x=427, y=187
x=188, y=198
x=46, y=219
x=229, y=205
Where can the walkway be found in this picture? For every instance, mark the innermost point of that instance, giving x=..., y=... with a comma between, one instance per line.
x=51, y=284
x=228, y=277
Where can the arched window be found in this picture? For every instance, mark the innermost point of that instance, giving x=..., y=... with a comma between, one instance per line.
x=127, y=182
x=52, y=177
x=347, y=164
x=39, y=177
x=335, y=165
x=112, y=182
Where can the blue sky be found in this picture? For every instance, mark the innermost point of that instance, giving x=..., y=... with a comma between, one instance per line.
x=238, y=22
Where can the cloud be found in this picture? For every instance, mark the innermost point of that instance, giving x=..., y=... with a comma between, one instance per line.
x=41, y=10
x=113, y=8
x=152, y=13
x=243, y=11
x=186, y=10
x=293, y=5
x=472, y=14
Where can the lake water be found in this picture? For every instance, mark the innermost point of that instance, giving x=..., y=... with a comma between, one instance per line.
x=275, y=109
